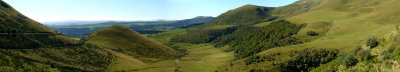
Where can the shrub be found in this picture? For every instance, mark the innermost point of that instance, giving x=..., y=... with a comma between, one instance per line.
x=387, y=53
x=257, y=59
x=347, y=60
x=363, y=55
x=372, y=42
x=312, y=33
x=358, y=48
x=307, y=59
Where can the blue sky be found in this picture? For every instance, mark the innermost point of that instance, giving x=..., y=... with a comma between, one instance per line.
x=126, y=10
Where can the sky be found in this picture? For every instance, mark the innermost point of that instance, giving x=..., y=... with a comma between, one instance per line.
x=130, y=10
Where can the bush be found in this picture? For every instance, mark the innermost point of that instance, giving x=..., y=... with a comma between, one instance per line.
x=372, y=42
x=307, y=59
x=363, y=55
x=387, y=53
x=358, y=48
x=347, y=60
x=312, y=33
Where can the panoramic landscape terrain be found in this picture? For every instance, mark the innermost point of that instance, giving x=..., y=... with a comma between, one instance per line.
x=303, y=36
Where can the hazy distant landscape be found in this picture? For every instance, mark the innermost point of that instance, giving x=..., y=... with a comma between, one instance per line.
x=79, y=29
x=303, y=36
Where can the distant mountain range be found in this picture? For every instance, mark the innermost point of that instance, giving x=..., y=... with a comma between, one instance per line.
x=71, y=22
x=83, y=28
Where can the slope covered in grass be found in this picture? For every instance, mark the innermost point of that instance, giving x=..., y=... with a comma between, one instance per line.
x=248, y=14
x=13, y=21
x=342, y=47
x=126, y=40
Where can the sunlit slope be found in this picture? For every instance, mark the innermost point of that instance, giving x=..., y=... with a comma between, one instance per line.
x=28, y=46
x=18, y=31
x=125, y=40
x=13, y=21
x=248, y=14
x=351, y=24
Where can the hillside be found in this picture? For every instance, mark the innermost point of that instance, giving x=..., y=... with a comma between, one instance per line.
x=27, y=45
x=248, y=14
x=126, y=40
x=226, y=23
x=356, y=35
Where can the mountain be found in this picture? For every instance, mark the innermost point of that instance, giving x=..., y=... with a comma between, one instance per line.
x=13, y=21
x=144, y=27
x=248, y=14
x=227, y=23
x=123, y=39
x=195, y=20
x=27, y=45
x=340, y=35
x=70, y=22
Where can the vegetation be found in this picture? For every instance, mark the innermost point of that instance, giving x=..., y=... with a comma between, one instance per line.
x=372, y=42
x=125, y=40
x=27, y=46
x=245, y=40
x=202, y=36
x=307, y=59
x=248, y=14
x=312, y=33
x=248, y=41
x=347, y=60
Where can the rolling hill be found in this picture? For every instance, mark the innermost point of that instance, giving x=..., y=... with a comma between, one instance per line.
x=126, y=40
x=248, y=14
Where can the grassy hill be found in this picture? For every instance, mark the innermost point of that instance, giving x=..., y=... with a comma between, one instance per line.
x=356, y=35
x=245, y=15
x=13, y=21
x=248, y=14
x=126, y=40
x=27, y=45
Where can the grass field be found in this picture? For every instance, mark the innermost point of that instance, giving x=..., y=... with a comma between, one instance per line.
x=201, y=58
x=344, y=25
x=205, y=58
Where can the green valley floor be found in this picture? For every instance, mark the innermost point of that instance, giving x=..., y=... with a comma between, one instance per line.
x=200, y=58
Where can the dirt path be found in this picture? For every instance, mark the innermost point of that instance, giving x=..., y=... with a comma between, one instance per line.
x=176, y=65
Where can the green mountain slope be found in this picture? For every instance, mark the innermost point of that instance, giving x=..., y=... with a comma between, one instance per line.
x=248, y=14
x=226, y=23
x=125, y=40
x=13, y=21
x=356, y=35
x=29, y=46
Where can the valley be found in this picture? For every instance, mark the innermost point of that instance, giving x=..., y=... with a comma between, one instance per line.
x=200, y=58
x=305, y=36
